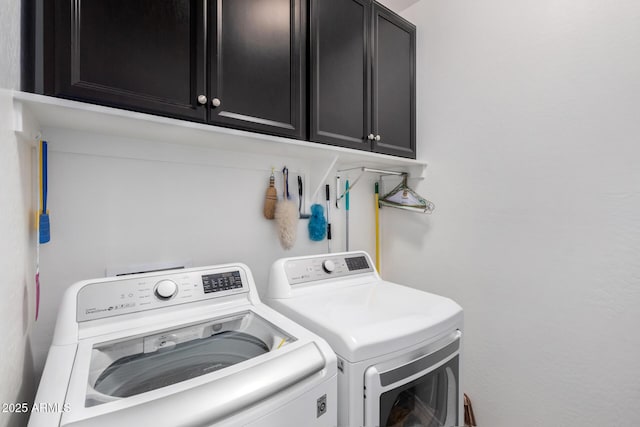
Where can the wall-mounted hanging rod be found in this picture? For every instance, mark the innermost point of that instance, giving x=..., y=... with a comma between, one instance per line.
x=401, y=197
x=362, y=172
x=380, y=171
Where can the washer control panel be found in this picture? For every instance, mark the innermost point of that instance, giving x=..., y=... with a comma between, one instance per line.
x=221, y=281
x=139, y=292
x=303, y=270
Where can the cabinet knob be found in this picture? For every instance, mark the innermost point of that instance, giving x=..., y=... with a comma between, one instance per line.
x=202, y=99
x=215, y=102
x=371, y=137
x=378, y=138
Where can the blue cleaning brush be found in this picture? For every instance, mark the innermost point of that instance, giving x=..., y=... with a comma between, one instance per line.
x=317, y=223
x=44, y=226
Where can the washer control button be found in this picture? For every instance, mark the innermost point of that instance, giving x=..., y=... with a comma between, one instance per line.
x=166, y=289
x=328, y=266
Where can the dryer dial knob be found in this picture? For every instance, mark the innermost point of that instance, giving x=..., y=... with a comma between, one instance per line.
x=166, y=289
x=328, y=266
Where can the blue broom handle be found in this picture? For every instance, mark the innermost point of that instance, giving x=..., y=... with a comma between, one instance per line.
x=44, y=177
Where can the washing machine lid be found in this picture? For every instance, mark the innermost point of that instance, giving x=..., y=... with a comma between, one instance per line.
x=371, y=319
x=198, y=374
x=131, y=366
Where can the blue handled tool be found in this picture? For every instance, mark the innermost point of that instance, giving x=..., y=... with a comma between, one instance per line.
x=44, y=225
x=346, y=208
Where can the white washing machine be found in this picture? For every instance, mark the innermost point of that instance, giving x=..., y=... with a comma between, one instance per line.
x=192, y=347
x=398, y=348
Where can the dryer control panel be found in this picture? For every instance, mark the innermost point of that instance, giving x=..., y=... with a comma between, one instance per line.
x=303, y=270
x=139, y=292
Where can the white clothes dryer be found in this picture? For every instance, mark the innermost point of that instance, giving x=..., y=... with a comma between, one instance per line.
x=192, y=347
x=398, y=348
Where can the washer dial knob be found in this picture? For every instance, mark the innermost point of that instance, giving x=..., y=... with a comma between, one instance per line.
x=328, y=266
x=166, y=289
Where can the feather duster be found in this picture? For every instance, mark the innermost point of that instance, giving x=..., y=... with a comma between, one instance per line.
x=287, y=216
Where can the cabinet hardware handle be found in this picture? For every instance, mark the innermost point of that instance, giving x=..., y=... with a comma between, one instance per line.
x=371, y=137
x=215, y=102
x=378, y=138
x=202, y=99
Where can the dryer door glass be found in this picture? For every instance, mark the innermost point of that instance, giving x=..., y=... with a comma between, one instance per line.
x=136, y=365
x=429, y=401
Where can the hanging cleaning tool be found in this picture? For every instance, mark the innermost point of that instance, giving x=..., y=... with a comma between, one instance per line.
x=38, y=222
x=44, y=226
x=346, y=208
x=328, y=199
x=317, y=223
x=377, y=214
x=271, y=198
x=287, y=215
x=300, y=192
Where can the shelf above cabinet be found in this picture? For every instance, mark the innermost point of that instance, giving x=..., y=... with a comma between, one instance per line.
x=35, y=112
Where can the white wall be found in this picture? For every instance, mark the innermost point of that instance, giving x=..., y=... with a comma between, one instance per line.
x=117, y=202
x=17, y=262
x=17, y=241
x=529, y=116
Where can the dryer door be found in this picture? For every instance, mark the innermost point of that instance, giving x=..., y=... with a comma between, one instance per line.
x=421, y=393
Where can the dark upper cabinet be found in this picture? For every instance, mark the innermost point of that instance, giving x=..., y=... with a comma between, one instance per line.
x=340, y=107
x=145, y=55
x=235, y=63
x=257, y=65
x=362, y=77
x=393, y=84
x=240, y=64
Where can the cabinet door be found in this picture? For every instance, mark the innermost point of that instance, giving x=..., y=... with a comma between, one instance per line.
x=393, y=89
x=340, y=107
x=257, y=65
x=144, y=55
